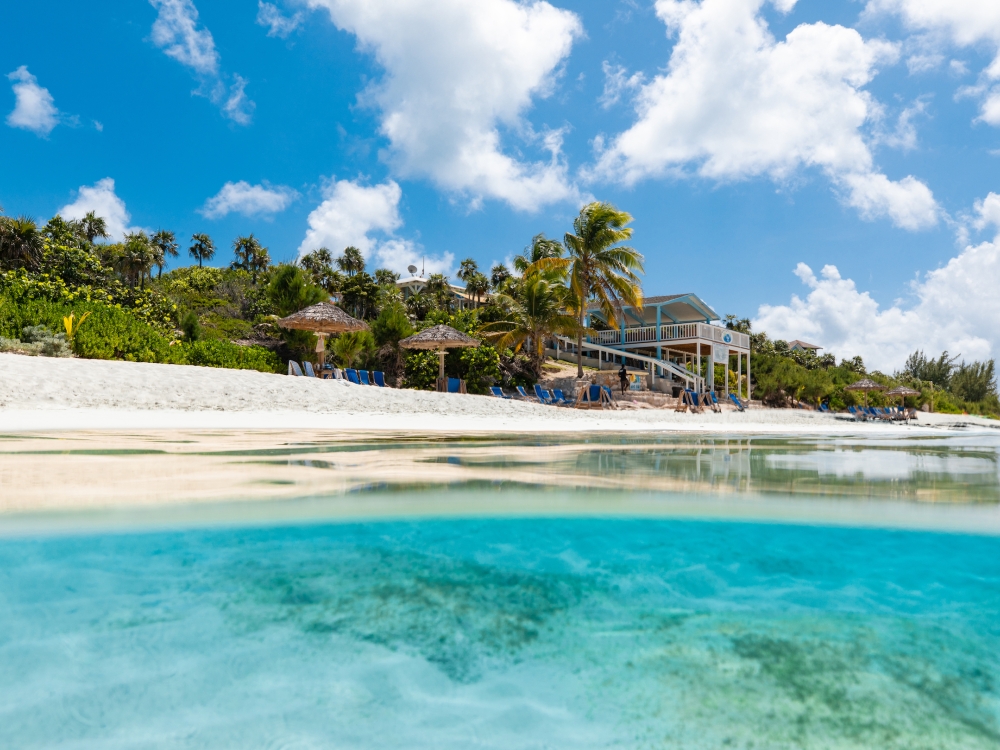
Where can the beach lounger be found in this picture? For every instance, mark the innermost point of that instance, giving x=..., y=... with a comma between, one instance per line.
x=559, y=398
x=543, y=395
x=363, y=377
x=590, y=396
x=498, y=392
x=824, y=408
x=456, y=385
x=523, y=393
x=294, y=369
x=352, y=376
x=736, y=402
x=712, y=402
x=310, y=372
x=694, y=402
x=379, y=377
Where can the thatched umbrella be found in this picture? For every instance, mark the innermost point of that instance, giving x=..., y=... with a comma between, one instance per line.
x=322, y=319
x=439, y=338
x=902, y=391
x=866, y=385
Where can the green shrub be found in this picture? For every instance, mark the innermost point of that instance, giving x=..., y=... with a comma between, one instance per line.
x=216, y=353
x=421, y=370
x=481, y=366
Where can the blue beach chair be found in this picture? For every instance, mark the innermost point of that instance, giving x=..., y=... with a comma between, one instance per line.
x=543, y=395
x=498, y=392
x=294, y=369
x=363, y=377
x=310, y=372
x=523, y=393
x=736, y=402
x=455, y=385
x=379, y=377
x=559, y=398
x=824, y=408
x=352, y=376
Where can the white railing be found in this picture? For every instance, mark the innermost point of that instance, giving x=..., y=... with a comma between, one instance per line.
x=647, y=334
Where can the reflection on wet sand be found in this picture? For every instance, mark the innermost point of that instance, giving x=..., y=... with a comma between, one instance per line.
x=352, y=475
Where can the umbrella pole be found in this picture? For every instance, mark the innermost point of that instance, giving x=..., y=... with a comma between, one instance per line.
x=320, y=349
x=441, y=353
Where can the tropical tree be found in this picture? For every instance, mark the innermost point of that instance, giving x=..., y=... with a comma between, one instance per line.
x=290, y=290
x=250, y=255
x=391, y=325
x=352, y=261
x=319, y=265
x=202, y=248
x=385, y=277
x=21, y=242
x=439, y=290
x=498, y=275
x=535, y=314
x=347, y=347
x=601, y=271
x=93, y=226
x=164, y=246
x=137, y=258
x=541, y=247
x=477, y=285
x=467, y=269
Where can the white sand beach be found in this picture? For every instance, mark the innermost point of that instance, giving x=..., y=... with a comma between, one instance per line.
x=39, y=393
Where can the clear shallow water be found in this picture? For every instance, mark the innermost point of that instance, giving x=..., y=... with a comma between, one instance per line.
x=579, y=627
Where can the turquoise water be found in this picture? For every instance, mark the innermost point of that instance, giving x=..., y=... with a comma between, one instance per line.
x=502, y=633
x=615, y=593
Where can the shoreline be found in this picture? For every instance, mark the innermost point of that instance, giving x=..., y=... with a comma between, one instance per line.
x=51, y=395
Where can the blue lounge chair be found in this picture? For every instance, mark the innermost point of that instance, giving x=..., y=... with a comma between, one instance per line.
x=523, y=393
x=736, y=402
x=363, y=377
x=712, y=402
x=294, y=369
x=454, y=385
x=310, y=372
x=379, y=378
x=498, y=392
x=559, y=398
x=824, y=408
x=352, y=376
x=591, y=396
x=543, y=395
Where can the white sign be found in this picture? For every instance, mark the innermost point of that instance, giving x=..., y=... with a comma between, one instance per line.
x=720, y=353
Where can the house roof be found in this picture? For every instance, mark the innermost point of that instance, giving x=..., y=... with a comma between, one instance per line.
x=678, y=308
x=802, y=345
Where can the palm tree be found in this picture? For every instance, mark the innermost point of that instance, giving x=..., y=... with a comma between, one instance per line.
x=21, y=242
x=93, y=226
x=164, y=246
x=138, y=257
x=534, y=315
x=600, y=270
x=477, y=285
x=352, y=261
x=467, y=269
x=250, y=255
x=347, y=347
x=540, y=247
x=203, y=248
x=498, y=275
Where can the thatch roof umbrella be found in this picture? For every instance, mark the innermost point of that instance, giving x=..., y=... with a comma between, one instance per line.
x=439, y=338
x=902, y=391
x=322, y=319
x=866, y=385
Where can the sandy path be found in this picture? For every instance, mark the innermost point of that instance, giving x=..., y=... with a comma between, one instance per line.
x=46, y=394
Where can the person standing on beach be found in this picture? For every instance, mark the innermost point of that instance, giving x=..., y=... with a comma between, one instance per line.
x=623, y=377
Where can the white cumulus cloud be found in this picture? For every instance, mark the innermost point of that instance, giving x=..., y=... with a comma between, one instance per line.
x=102, y=200
x=250, y=200
x=617, y=82
x=965, y=23
x=278, y=24
x=735, y=103
x=177, y=32
x=456, y=72
x=351, y=213
x=34, y=107
x=955, y=308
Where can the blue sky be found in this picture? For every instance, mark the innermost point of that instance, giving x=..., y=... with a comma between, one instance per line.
x=746, y=138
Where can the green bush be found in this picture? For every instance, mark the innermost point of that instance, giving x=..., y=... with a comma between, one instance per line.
x=216, y=353
x=481, y=367
x=421, y=370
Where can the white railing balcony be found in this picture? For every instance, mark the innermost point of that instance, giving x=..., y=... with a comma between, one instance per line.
x=674, y=333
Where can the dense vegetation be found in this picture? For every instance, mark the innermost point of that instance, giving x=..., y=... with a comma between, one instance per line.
x=783, y=377
x=65, y=290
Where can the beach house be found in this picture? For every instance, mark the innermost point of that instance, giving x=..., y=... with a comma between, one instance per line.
x=676, y=338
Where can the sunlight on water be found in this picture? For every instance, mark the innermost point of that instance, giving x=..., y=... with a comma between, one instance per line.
x=579, y=628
